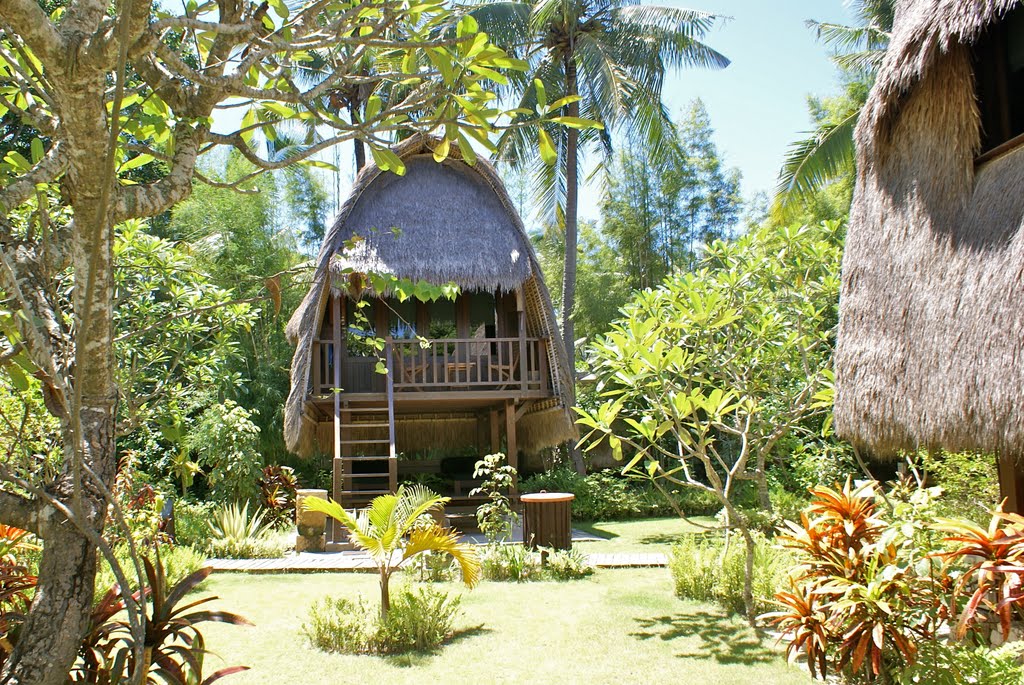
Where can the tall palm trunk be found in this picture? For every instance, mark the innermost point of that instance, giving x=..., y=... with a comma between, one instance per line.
x=571, y=238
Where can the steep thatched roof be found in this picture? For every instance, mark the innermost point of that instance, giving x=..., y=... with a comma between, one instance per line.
x=931, y=330
x=441, y=223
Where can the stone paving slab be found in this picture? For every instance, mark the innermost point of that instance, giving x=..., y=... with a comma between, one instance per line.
x=360, y=561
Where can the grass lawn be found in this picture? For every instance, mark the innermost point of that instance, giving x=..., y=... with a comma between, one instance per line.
x=637, y=535
x=619, y=626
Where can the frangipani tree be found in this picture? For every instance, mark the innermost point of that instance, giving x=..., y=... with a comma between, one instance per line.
x=705, y=374
x=114, y=104
x=392, y=532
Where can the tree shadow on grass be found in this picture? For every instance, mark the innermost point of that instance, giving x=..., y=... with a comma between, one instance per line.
x=663, y=538
x=420, y=658
x=724, y=640
x=593, y=529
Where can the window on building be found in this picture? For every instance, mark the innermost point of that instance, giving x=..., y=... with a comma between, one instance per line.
x=999, y=76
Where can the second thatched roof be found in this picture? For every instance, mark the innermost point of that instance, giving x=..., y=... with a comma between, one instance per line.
x=931, y=331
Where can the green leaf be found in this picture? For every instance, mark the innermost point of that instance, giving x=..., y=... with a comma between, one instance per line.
x=542, y=96
x=373, y=107
x=386, y=160
x=548, y=153
x=37, y=150
x=577, y=122
x=280, y=8
x=136, y=162
x=441, y=151
x=18, y=378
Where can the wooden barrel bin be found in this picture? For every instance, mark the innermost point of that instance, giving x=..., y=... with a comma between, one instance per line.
x=547, y=519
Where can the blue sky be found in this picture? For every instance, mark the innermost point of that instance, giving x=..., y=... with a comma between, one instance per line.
x=757, y=105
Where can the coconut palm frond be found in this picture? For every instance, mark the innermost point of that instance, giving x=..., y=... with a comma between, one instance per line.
x=813, y=162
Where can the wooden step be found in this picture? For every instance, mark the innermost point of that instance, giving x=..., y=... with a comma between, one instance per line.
x=366, y=442
x=368, y=424
x=366, y=475
x=364, y=493
x=364, y=410
x=366, y=457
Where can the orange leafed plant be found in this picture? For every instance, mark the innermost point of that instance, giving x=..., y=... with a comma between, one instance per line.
x=997, y=553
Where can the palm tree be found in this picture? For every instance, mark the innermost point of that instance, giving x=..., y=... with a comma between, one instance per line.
x=827, y=153
x=604, y=60
x=394, y=529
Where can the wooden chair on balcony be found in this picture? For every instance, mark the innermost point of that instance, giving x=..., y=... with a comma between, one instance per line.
x=413, y=371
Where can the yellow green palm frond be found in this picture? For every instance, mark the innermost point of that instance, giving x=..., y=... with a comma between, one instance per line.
x=446, y=541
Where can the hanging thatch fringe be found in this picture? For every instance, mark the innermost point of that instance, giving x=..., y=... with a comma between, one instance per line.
x=931, y=329
x=454, y=223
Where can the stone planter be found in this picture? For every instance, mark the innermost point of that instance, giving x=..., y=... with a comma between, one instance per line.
x=310, y=524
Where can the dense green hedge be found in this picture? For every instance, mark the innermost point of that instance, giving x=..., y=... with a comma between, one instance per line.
x=607, y=496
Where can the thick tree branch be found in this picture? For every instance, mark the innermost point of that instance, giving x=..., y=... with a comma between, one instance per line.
x=36, y=30
x=49, y=168
x=22, y=512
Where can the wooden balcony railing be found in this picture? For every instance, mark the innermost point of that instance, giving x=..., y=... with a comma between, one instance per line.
x=450, y=364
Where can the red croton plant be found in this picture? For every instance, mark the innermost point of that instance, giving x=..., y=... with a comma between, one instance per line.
x=878, y=575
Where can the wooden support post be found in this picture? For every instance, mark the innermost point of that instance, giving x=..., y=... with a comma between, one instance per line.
x=1011, y=483
x=511, y=448
x=524, y=360
x=336, y=384
x=334, y=531
x=495, y=432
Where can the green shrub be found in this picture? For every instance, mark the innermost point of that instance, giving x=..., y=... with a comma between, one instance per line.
x=264, y=547
x=509, y=562
x=179, y=562
x=566, y=564
x=969, y=482
x=339, y=624
x=517, y=563
x=700, y=573
x=192, y=522
x=234, y=534
x=419, y=620
x=607, y=496
x=432, y=567
x=942, y=663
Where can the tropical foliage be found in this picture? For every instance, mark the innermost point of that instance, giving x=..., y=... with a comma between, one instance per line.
x=705, y=375
x=395, y=528
x=827, y=152
x=604, y=61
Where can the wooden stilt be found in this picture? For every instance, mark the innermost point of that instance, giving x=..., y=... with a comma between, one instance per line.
x=1011, y=483
x=511, y=448
x=495, y=432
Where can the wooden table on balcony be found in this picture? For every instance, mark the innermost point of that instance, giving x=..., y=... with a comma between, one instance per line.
x=457, y=368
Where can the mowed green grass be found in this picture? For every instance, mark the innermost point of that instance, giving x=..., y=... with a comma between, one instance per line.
x=620, y=626
x=638, y=535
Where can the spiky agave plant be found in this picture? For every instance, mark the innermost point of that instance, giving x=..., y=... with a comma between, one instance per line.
x=391, y=532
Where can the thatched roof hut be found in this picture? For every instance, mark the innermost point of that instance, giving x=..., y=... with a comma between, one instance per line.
x=440, y=223
x=931, y=330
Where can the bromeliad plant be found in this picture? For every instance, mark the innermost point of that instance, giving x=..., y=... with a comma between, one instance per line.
x=996, y=571
x=395, y=528
x=173, y=648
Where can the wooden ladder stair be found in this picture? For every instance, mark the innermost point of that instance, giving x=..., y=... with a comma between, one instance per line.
x=367, y=464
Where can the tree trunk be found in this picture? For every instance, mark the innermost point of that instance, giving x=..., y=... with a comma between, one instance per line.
x=748, y=576
x=385, y=595
x=60, y=611
x=571, y=240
